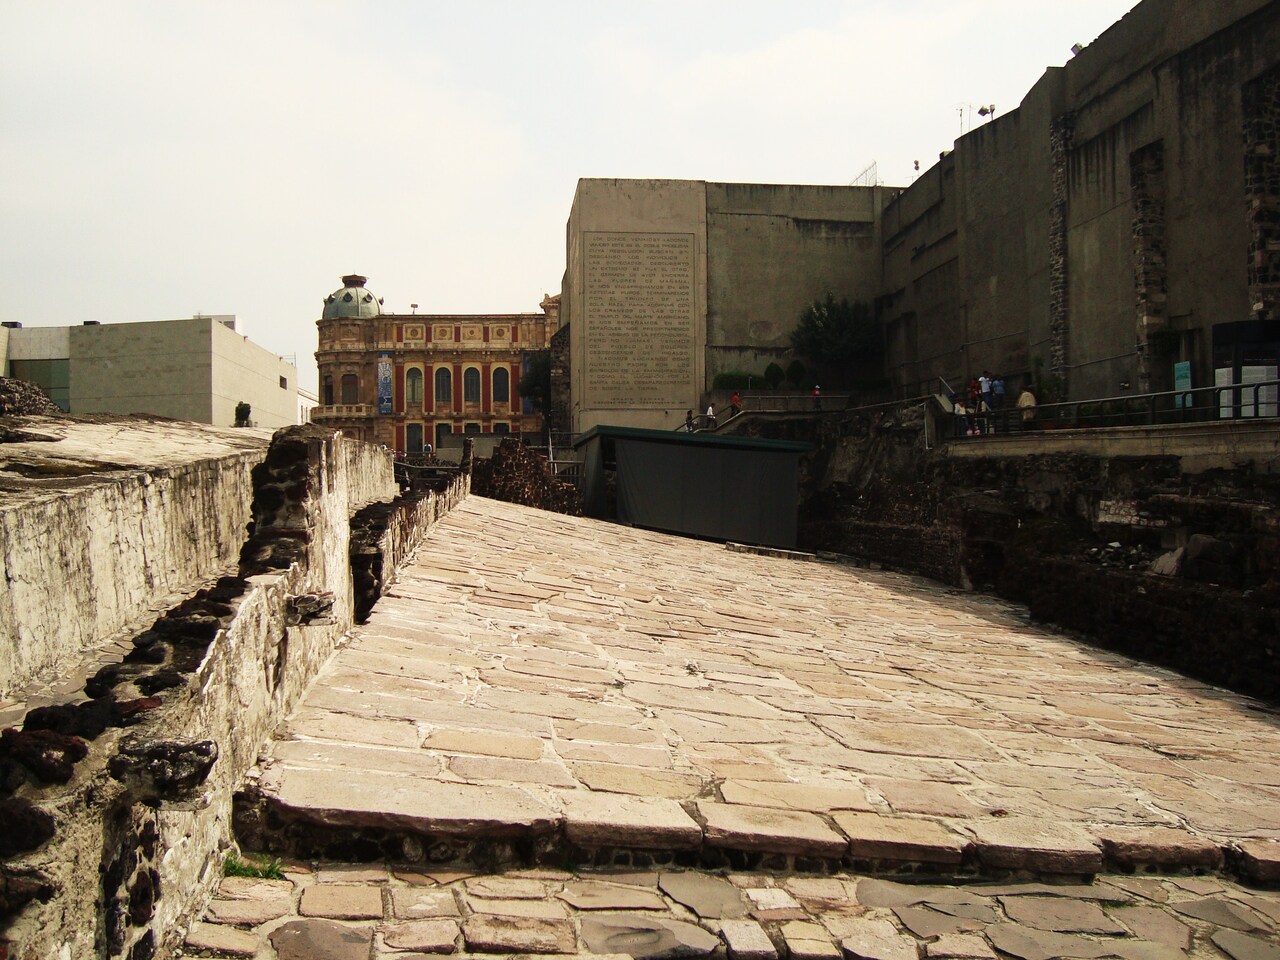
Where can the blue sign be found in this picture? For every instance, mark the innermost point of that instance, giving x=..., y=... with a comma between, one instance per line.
x=1182, y=381
x=384, y=383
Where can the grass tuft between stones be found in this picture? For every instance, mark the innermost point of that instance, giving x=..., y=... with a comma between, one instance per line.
x=260, y=868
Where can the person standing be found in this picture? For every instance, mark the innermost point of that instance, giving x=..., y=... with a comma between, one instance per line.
x=712, y=423
x=1027, y=407
x=735, y=404
x=688, y=421
x=817, y=397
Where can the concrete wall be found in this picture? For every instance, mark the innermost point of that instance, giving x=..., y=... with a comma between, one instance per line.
x=1022, y=250
x=646, y=340
x=773, y=250
x=242, y=370
x=637, y=323
x=161, y=368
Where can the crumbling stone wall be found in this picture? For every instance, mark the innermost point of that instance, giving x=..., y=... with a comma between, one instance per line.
x=84, y=563
x=558, y=418
x=1179, y=569
x=1261, y=102
x=18, y=397
x=1147, y=186
x=383, y=535
x=117, y=810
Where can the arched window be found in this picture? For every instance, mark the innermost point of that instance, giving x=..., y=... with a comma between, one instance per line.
x=501, y=385
x=444, y=385
x=413, y=386
x=350, y=388
x=471, y=385
x=328, y=391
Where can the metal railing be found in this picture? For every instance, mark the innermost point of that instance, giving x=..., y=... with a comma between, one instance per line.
x=1240, y=401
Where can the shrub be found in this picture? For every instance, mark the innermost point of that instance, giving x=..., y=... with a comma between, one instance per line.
x=732, y=380
x=773, y=376
x=797, y=374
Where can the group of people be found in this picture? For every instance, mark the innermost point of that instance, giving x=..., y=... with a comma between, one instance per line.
x=735, y=407
x=979, y=410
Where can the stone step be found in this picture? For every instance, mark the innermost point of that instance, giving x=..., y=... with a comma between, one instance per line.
x=338, y=910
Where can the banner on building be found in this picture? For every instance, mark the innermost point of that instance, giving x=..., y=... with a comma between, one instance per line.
x=384, y=383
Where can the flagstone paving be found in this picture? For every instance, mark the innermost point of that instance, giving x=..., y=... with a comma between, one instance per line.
x=532, y=675
x=381, y=912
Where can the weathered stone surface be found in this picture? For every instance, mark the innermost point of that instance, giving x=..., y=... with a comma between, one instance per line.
x=532, y=909
x=638, y=781
x=746, y=940
x=704, y=894
x=645, y=936
x=1239, y=946
x=1060, y=915
x=866, y=939
x=875, y=837
x=873, y=892
x=247, y=912
x=425, y=936
x=959, y=946
x=604, y=819
x=321, y=940
x=594, y=895
x=927, y=924
x=1162, y=846
x=415, y=903
x=1148, y=923
x=1032, y=844
x=814, y=797
x=375, y=799
x=808, y=941
x=774, y=903
x=925, y=796
x=486, y=744
x=506, y=888
x=1029, y=944
x=1260, y=860
x=501, y=770
x=222, y=940
x=517, y=935
x=342, y=901
x=1221, y=912
x=771, y=830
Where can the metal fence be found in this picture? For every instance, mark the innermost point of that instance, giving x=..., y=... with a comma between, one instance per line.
x=1240, y=401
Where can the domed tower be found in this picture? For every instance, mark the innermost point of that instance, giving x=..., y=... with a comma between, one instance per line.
x=352, y=301
x=347, y=328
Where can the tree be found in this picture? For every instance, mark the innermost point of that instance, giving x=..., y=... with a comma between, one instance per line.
x=842, y=342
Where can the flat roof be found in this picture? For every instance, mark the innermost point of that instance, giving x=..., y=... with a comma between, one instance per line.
x=700, y=439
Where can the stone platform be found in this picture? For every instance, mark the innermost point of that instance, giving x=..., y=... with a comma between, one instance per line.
x=545, y=689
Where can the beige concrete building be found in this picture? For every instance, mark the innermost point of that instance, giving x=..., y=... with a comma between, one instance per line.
x=669, y=282
x=194, y=369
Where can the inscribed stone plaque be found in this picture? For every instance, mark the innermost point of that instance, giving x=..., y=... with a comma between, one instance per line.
x=639, y=314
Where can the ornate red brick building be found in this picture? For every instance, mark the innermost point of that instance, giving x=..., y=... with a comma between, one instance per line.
x=406, y=380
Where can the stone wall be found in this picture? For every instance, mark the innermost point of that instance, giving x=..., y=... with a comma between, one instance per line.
x=120, y=806
x=559, y=417
x=1134, y=551
x=1262, y=192
x=84, y=561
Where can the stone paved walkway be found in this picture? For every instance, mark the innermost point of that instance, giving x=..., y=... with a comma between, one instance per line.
x=534, y=675
x=347, y=912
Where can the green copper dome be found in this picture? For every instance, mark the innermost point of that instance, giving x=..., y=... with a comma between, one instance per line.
x=352, y=301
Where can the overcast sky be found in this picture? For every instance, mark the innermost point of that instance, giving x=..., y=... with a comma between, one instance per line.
x=163, y=159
